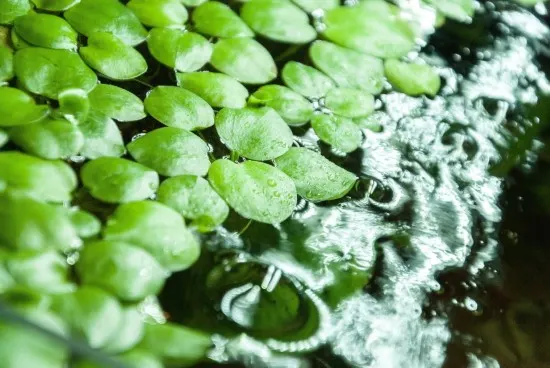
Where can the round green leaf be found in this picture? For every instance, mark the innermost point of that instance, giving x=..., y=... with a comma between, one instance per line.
x=254, y=190
x=45, y=271
x=348, y=68
x=116, y=180
x=48, y=72
x=18, y=108
x=126, y=271
x=156, y=228
x=413, y=79
x=91, y=313
x=17, y=41
x=183, y=51
x=341, y=133
x=279, y=20
x=159, y=13
x=460, y=10
x=74, y=105
x=218, y=20
x=381, y=34
x=179, y=108
x=350, y=103
x=91, y=16
x=27, y=224
x=305, y=80
x=130, y=331
x=218, y=89
x=86, y=224
x=116, y=103
x=113, y=58
x=50, y=139
x=11, y=9
x=171, y=151
x=312, y=5
x=293, y=108
x=41, y=179
x=194, y=198
x=46, y=30
x=316, y=178
x=176, y=345
x=141, y=359
x=101, y=137
x=255, y=133
x=54, y=5
x=6, y=64
x=244, y=59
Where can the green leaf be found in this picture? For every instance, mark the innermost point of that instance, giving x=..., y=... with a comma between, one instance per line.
x=156, y=228
x=26, y=224
x=6, y=64
x=111, y=57
x=254, y=190
x=91, y=16
x=59, y=35
x=176, y=345
x=193, y=3
x=255, y=133
x=350, y=103
x=179, y=108
x=50, y=138
x=316, y=178
x=218, y=20
x=11, y=9
x=130, y=332
x=279, y=20
x=18, y=108
x=293, y=108
x=126, y=271
x=85, y=223
x=413, y=79
x=55, y=5
x=34, y=177
x=312, y=5
x=141, y=359
x=529, y=2
x=74, y=105
x=116, y=180
x=6, y=281
x=171, y=151
x=159, y=13
x=101, y=137
x=17, y=41
x=44, y=271
x=305, y=80
x=116, y=103
x=194, y=199
x=24, y=347
x=460, y=10
x=48, y=72
x=218, y=89
x=4, y=138
x=348, y=68
x=183, y=51
x=91, y=313
x=377, y=33
x=244, y=59
x=341, y=133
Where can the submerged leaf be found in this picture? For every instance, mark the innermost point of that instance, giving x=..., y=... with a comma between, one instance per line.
x=18, y=108
x=413, y=79
x=183, y=51
x=48, y=72
x=293, y=108
x=159, y=13
x=244, y=59
x=316, y=178
x=116, y=103
x=129, y=272
x=255, y=133
x=218, y=89
x=348, y=68
x=350, y=103
x=341, y=133
x=111, y=57
x=218, y=20
x=179, y=108
x=11, y=9
x=116, y=180
x=101, y=137
x=171, y=151
x=46, y=30
x=254, y=190
x=91, y=16
x=194, y=198
x=279, y=20
x=156, y=228
x=305, y=80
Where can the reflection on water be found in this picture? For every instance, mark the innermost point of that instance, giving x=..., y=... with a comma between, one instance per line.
x=404, y=272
